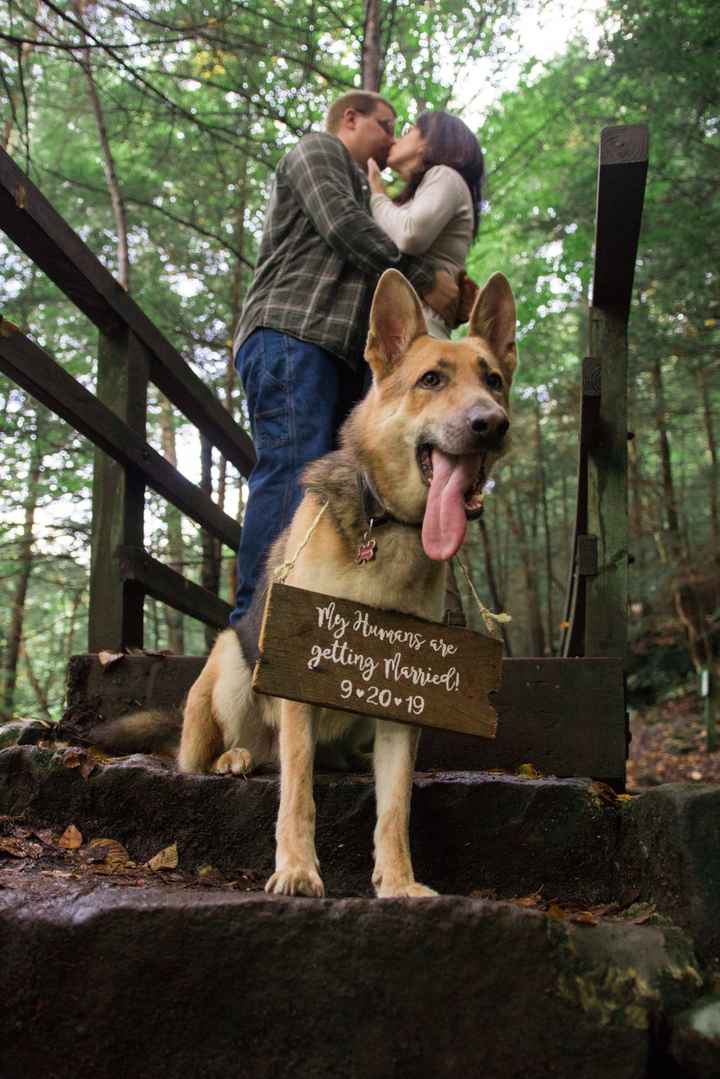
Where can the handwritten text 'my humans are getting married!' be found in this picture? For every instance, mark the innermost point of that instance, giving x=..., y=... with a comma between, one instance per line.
x=394, y=668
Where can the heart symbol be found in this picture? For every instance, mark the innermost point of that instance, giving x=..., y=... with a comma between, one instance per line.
x=398, y=701
x=360, y=692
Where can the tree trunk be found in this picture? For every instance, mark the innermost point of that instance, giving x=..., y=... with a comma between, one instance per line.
x=239, y=281
x=492, y=581
x=637, y=519
x=25, y=567
x=371, y=51
x=712, y=447
x=38, y=689
x=671, y=513
x=537, y=633
x=173, y=524
x=499, y=545
x=118, y=204
x=210, y=546
x=542, y=478
x=152, y=619
x=9, y=128
x=72, y=621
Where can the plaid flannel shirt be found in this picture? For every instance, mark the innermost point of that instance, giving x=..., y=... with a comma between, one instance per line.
x=321, y=253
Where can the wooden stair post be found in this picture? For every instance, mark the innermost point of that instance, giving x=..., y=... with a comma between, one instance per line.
x=115, y=618
x=596, y=609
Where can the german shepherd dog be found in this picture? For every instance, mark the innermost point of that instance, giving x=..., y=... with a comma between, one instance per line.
x=414, y=455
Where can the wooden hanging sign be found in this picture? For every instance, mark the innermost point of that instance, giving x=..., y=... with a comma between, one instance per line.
x=344, y=655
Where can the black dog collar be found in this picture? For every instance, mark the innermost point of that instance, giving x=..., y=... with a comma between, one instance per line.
x=375, y=511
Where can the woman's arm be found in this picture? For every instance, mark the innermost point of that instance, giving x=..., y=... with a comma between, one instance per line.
x=415, y=226
x=315, y=171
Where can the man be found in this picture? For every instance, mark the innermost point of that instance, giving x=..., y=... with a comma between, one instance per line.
x=299, y=343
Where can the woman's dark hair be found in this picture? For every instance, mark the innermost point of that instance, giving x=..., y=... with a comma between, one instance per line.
x=449, y=141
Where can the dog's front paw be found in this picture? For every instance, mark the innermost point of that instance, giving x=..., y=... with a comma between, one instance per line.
x=296, y=880
x=411, y=890
x=237, y=762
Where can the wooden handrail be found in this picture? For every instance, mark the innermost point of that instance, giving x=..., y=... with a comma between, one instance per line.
x=39, y=374
x=35, y=226
x=166, y=585
x=622, y=171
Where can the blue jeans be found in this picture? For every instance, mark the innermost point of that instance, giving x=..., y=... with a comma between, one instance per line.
x=297, y=395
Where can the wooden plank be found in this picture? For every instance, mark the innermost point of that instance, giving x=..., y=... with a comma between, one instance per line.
x=572, y=642
x=170, y=587
x=38, y=230
x=96, y=693
x=596, y=604
x=115, y=615
x=351, y=657
x=622, y=171
x=43, y=378
x=566, y=717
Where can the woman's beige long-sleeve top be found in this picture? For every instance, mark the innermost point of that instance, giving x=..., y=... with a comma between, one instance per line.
x=438, y=221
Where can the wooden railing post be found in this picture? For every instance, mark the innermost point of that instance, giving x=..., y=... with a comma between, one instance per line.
x=607, y=516
x=116, y=605
x=596, y=608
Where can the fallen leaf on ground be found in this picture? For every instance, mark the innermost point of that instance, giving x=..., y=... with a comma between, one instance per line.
x=45, y=835
x=641, y=919
x=167, y=858
x=98, y=756
x=110, y=852
x=584, y=917
x=556, y=912
x=73, y=758
x=605, y=793
x=209, y=873
x=80, y=759
x=528, y=900
x=108, y=659
x=18, y=847
x=71, y=839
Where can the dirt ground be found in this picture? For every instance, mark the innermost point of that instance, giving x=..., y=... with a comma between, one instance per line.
x=669, y=745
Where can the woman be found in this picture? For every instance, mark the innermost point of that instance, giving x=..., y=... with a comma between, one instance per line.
x=437, y=211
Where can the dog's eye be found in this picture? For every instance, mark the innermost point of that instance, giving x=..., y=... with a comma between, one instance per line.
x=494, y=380
x=430, y=380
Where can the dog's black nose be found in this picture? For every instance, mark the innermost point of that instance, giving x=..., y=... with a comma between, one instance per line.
x=489, y=422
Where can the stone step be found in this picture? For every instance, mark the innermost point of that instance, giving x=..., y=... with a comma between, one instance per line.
x=470, y=831
x=101, y=980
x=695, y=1041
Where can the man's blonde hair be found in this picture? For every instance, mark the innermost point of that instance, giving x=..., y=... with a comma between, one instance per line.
x=364, y=101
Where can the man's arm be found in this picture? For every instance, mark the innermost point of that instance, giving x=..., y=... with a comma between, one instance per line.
x=316, y=172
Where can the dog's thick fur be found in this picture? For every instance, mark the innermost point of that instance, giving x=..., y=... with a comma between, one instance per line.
x=425, y=392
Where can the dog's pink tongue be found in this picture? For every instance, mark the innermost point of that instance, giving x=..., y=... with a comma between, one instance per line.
x=445, y=522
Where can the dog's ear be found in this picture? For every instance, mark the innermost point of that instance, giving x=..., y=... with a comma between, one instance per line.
x=396, y=319
x=493, y=318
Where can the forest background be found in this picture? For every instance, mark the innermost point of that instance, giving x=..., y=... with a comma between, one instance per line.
x=154, y=130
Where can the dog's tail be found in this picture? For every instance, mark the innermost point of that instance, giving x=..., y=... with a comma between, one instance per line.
x=151, y=731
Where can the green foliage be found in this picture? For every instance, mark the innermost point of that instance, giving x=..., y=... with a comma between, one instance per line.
x=653, y=65
x=200, y=100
